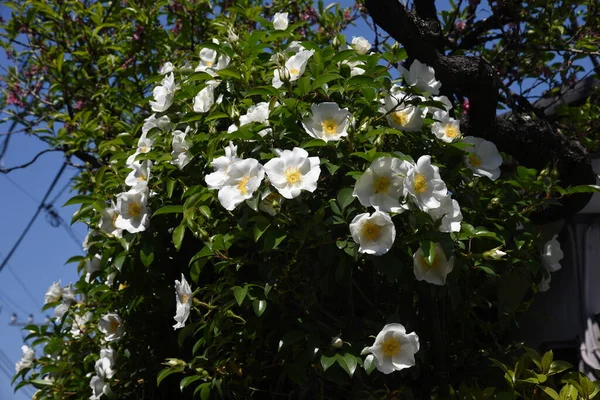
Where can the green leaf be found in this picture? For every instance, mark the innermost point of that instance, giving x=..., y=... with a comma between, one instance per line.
x=546, y=361
x=369, y=364
x=583, y=189
x=550, y=392
x=240, y=294
x=187, y=380
x=568, y=392
x=361, y=80
x=171, y=209
x=259, y=307
x=178, y=234
x=558, y=366
x=41, y=382
x=345, y=197
x=204, y=390
x=229, y=73
x=205, y=211
x=327, y=362
x=323, y=79
x=80, y=199
x=166, y=372
x=216, y=115
x=347, y=362
x=314, y=143
x=147, y=257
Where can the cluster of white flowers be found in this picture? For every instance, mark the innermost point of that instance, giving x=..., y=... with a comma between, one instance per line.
x=104, y=372
x=57, y=293
x=238, y=178
x=26, y=360
x=551, y=256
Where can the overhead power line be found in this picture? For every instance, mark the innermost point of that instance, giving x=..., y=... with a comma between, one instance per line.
x=37, y=212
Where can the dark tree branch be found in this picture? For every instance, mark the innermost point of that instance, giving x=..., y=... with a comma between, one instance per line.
x=27, y=164
x=534, y=143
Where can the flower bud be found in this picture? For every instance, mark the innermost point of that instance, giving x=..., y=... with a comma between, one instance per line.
x=494, y=254
x=336, y=342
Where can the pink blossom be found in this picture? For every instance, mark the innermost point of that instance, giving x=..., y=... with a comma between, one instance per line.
x=460, y=25
x=466, y=106
x=347, y=15
x=79, y=104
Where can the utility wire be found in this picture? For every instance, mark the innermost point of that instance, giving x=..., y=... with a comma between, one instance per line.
x=14, y=304
x=37, y=212
x=60, y=193
x=23, y=286
x=25, y=192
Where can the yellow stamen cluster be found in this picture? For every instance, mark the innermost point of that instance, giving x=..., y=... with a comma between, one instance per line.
x=134, y=209
x=382, y=184
x=420, y=184
x=292, y=175
x=391, y=346
x=242, y=185
x=400, y=117
x=474, y=160
x=370, y=231
x=329, y=127
x=451, y=131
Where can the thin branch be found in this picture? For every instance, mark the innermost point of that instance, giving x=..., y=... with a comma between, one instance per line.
x=27, y=164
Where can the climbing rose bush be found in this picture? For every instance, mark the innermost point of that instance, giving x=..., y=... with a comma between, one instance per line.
x=312, y=219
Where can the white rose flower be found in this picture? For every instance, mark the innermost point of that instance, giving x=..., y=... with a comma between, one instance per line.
x=78, y=328
x=133, y=210
x=111, y=326
x=243, y=179
x=26, y=360
x=68, y=294
x=209, y=62
x=450, y=214
x=394, y=349
x=163, y=123
x=144, y=146
x=54, y=293
x=544, y=284
x=280, y=21
x=92, y=266
x=293, y=171
x=98, y=386
x=217, y=179
x=442, y=99
x=483, y=158
x=258, y=113
x=205, y=98
x=108, y=221
x=422, y=77
x=294, y=47
x=183, y=297
x=424, y=184
x=61, y=310
x=382, y=184
x=439, y=269
x=446, y=129
x=361, y=45
x=140, y=175
x=400, y=114
x=354, y=67
x=109, y=354
x=374, y=233
x=166, y=68
x=293, y=69
x=180, y=148
x=164, y=94
x=552, y=254
x=103, y=368
x=327, y=122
